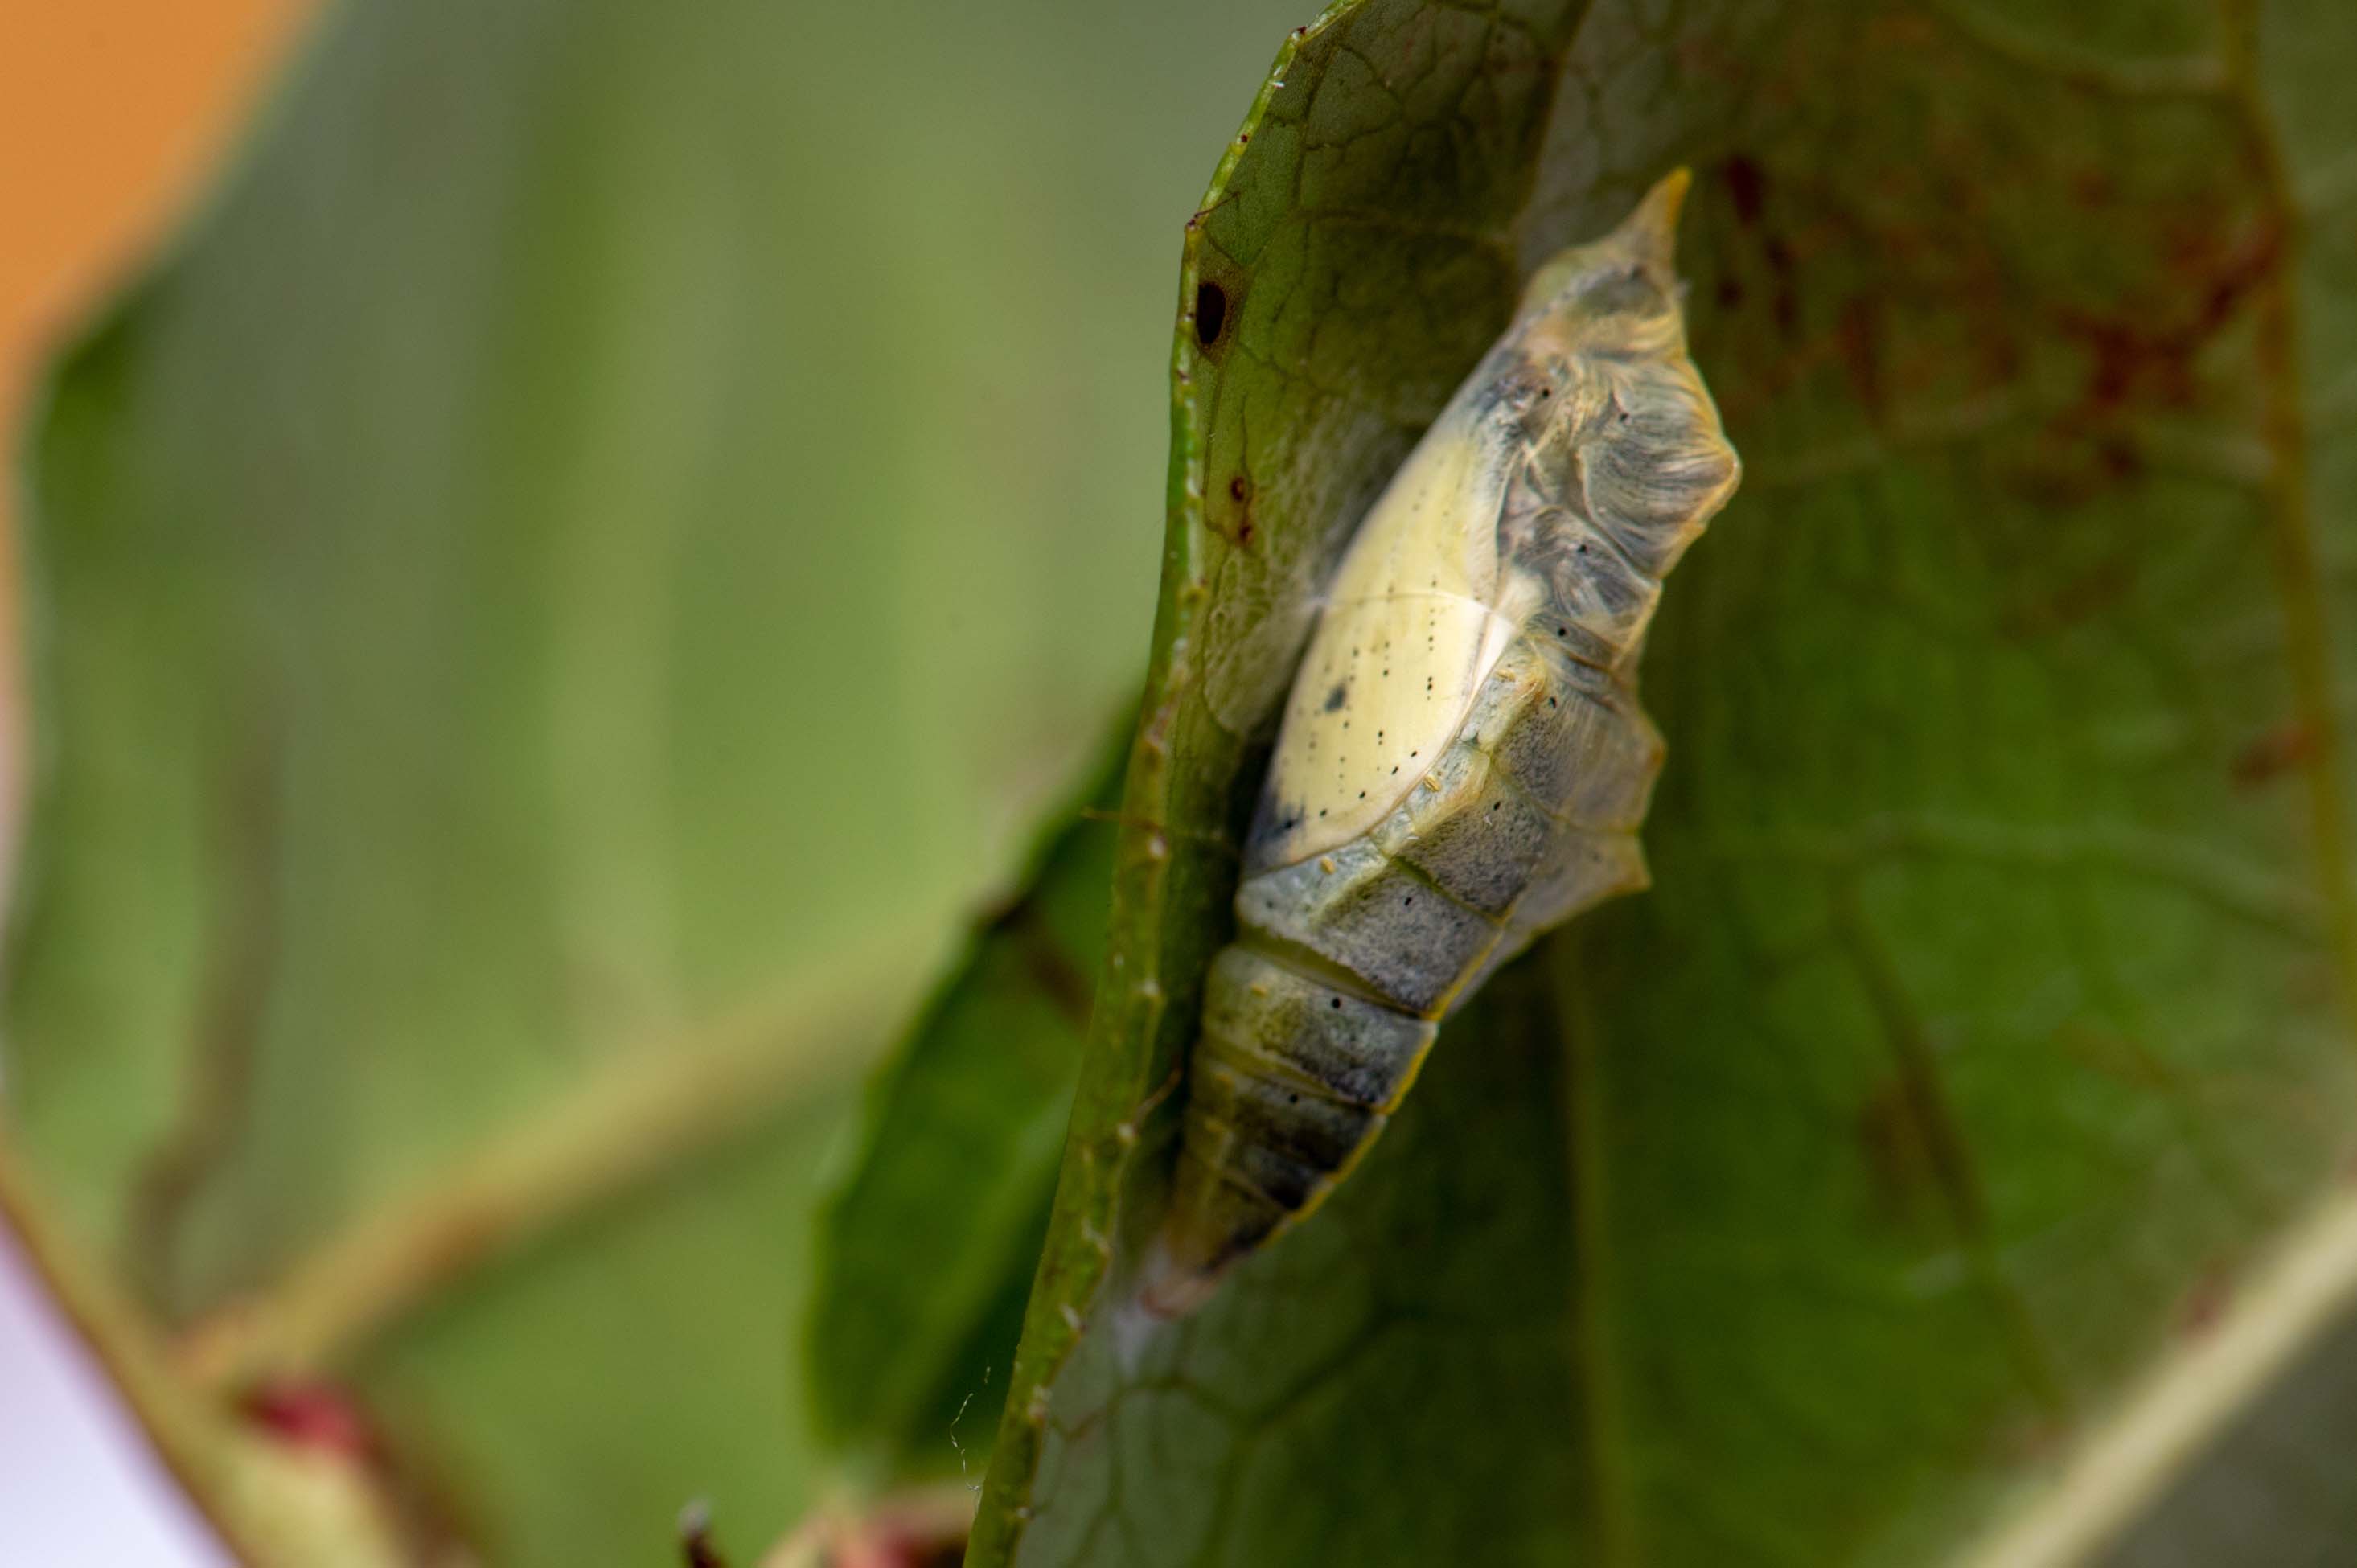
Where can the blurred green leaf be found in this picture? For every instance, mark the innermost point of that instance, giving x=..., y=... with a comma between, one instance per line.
x=553, y=606
x=1989, y=1020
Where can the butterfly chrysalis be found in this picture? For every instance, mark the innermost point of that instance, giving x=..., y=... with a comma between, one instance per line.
x=1462, y=763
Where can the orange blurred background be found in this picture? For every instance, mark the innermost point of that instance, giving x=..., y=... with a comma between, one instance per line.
x=112, y=113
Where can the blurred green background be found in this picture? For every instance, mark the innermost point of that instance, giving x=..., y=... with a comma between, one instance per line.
x=585, y=560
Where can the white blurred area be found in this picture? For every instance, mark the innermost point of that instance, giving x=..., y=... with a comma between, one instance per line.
x=79, y=1486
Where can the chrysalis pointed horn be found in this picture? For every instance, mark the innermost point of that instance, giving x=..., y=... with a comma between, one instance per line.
x=1648, y=237
x=1649, y=234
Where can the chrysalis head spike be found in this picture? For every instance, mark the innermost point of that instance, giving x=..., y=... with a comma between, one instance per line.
x=1645, y=243
x=1649, y=234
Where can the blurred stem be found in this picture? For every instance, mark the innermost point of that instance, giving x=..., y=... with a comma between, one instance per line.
x=919, y=1524
x=2285, y=419
x=648, y=1108
x=269, y=1504
x=2122, y=1464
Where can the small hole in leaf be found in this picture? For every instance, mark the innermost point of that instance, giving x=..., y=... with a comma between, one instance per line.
x=1211, y=312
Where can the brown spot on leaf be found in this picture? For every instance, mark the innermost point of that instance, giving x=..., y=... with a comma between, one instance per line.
x=1890, y=1139
x=2033, y=1440
x=2139, y=358
x=1858, y=342
x=1211, y=312
x=2281, y=750
x=1746, y=188
x=2080, y=598
x=1784, y=304
x=2206, y=1301
x=1240, y=491
x=2122, y=1057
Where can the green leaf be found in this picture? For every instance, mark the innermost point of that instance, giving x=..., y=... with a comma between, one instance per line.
x=928, y=1249
x=1989, y=1021
x=556, y=601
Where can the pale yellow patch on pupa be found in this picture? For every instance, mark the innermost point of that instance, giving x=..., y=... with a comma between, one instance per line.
x=1413, y=624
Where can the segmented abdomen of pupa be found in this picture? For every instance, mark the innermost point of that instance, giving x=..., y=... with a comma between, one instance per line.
x=1462, y=763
